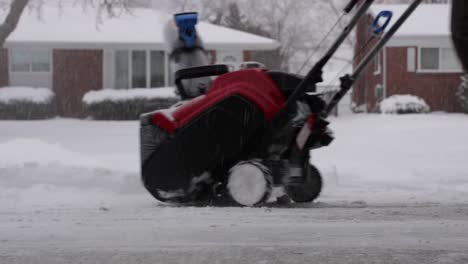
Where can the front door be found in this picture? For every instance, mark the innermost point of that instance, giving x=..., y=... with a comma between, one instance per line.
x=76, y=72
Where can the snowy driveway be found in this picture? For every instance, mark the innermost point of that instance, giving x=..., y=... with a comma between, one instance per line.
x=396, y=191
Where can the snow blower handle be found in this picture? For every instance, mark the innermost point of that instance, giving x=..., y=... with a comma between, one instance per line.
x=350, y=6
x=314, y=76
x=348, y=81
x=197, y=72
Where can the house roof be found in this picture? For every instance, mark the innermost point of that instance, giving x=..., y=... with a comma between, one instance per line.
x=428, y=20
x=429, y=25
x=78, y=27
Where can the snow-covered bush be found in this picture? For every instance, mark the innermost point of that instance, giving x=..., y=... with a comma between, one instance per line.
x=403, y=104
x=111, y=104
x=462, y=94
x=25, y=103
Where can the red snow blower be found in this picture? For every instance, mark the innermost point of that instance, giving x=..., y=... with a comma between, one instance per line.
x=247, y=131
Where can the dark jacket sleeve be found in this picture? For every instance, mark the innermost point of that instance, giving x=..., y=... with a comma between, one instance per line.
x=460, y=30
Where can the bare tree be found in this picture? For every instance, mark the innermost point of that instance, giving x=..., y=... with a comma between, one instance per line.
x=15, y=8
x=298, y=25
x=11, y=21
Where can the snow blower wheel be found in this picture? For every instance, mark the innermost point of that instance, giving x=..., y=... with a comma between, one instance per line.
x=309, y=188
x=249, y=183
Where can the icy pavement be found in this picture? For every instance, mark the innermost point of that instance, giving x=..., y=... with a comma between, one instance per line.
x=331, y=234
x=396, y=191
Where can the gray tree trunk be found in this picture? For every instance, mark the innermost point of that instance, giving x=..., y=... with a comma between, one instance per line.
x=12, y=19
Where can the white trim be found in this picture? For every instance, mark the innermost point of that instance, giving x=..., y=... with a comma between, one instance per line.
x=108, y=71
x=166, y=69
x=130, y=69
x=148, y=69
x=411, y=64
x=439, y=41
x=438, y=71
x=378, y=59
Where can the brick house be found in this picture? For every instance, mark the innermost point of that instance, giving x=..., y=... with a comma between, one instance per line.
x=420, y=60
x=73, y=50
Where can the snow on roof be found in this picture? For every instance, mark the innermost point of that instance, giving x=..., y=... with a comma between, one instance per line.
x=429, y=20
x=78, y=27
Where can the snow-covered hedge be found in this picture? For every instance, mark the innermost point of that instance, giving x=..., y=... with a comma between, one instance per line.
x=462, y=94
x=26, y=103
x=403, y=104
x=111, y=104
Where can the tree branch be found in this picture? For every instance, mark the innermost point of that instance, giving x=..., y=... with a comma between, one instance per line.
x=12, y=19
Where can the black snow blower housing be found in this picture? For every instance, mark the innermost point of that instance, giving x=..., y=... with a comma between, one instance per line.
x=237, y=137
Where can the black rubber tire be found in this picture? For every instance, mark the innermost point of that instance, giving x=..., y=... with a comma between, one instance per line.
x=310, y=189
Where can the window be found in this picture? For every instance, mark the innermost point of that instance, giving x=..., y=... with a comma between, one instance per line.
x=157, y=68
x=139, y=69
x=439, y=59
x=377, y=64
x=30, y=60
x=429, y=59
x=121, y=69
x=449, y=60
x=379, y=90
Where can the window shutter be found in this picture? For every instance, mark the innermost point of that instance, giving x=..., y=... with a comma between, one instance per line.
x=411, y=59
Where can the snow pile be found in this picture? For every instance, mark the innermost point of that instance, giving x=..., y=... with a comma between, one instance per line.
x=375, y=159
x=396, y=159
x=31, y=151
x=114, y=95
x=403, y=104
x=10, y=95
x=36, y=174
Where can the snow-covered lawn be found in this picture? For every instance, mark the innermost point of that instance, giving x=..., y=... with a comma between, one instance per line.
x=397, y=158
x=376, y=159
x=69, y=163
x=396, y=190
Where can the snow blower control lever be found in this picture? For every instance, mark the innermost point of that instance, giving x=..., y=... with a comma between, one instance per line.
x=350, y=6
x=314, y=76
x=377, y=27
x=347, y=81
